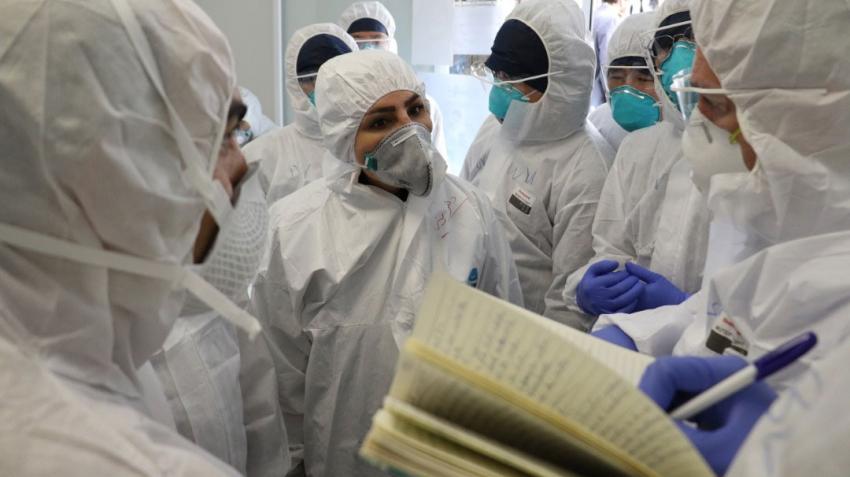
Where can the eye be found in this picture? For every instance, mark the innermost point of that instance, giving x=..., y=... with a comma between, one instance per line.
x=379, y=123
x=416, y=110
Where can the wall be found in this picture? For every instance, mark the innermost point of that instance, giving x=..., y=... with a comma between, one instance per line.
x=253, y=28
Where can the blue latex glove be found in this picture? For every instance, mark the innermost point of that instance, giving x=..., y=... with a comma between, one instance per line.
x=604, y=291
x=658, y=291
x=615, y=335
x=721, y=429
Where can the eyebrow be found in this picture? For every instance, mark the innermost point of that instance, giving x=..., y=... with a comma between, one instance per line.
x=391, y=109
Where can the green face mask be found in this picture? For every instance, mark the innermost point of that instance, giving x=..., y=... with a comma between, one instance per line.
x=680, y=61
x=633, y=109
x=501, y=97
x=312, y=97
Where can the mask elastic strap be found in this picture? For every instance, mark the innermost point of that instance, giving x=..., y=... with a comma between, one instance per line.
x=178, y=276
x=213, y=193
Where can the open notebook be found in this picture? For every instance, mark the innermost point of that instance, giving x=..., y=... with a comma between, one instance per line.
x=485, y=388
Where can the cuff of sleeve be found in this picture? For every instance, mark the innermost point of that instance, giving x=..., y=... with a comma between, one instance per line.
x=655, y=332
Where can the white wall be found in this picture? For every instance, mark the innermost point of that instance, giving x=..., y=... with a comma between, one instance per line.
x=253, y=28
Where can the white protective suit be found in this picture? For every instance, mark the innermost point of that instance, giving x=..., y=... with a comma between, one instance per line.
x=806, y=430
x=627, y=41
x=377, y=11
x=291, y=157
x=650, y=211
x=479, y=150
x=784, y=226
x=110, y=123
x=201, y=364
x=348, y=265
x=543, y=169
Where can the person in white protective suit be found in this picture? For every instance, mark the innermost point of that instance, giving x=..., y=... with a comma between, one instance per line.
x=352, y=253
x=111, y=127
x=629, y=84
x=291, y=157
x=543, y=169
x=373, y=27
x=202, y=370
x=779, y=248
x=255, y=123
x=651, y=217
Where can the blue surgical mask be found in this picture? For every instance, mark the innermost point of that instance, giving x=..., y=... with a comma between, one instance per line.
x=312, y=97
x=679, y=61
x=501, y=97
x=633, y=109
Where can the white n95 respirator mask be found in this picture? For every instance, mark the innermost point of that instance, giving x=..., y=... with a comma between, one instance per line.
x=235, y=256
x=406, y=159
x=710, y=151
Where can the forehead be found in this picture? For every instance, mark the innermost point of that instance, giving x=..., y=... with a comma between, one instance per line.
x=393, y=100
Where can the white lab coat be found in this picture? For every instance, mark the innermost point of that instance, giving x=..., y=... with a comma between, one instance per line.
x=291, y=157
x=544, y=170
x=91, y=161
x=347, y=269
x=650, y=212
x=778, y=246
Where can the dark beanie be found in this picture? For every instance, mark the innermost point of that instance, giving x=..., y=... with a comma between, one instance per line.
x=520, y=53
x=367, y=25
x=317, y=50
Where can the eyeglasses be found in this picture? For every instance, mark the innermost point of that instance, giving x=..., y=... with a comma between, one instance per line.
x=373, y=44
x=307, y=78
x=496, y=78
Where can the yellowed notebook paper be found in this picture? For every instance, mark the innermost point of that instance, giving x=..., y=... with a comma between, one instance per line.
x=484, y=356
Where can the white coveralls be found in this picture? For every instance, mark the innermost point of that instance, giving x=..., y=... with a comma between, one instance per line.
x=543, y=170
x=206, y=368
x=628, y=40
x=779, y=247
x=377, y=11
x=650, y=211
x=96, y=97
x=347, y=268
x=291, y=157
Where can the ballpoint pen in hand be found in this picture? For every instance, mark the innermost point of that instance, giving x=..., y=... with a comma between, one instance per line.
x=761, y=368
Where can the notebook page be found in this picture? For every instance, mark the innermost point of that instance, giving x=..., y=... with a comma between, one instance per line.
x=453, y=399
x=405, y=447
x=525, y=353
x=481, y=445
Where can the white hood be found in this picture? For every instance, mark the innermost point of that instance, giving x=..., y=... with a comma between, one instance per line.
x=90, y=157
x=306, y=117
x=629, y=39
x=788, y=73
x=349, y=85
x=375, y=11
x=560, y=24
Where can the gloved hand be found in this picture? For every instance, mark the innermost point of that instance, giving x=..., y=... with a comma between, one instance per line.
x=658, y=291
x=721, y=429
x=615, y=335
x=604, y=291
